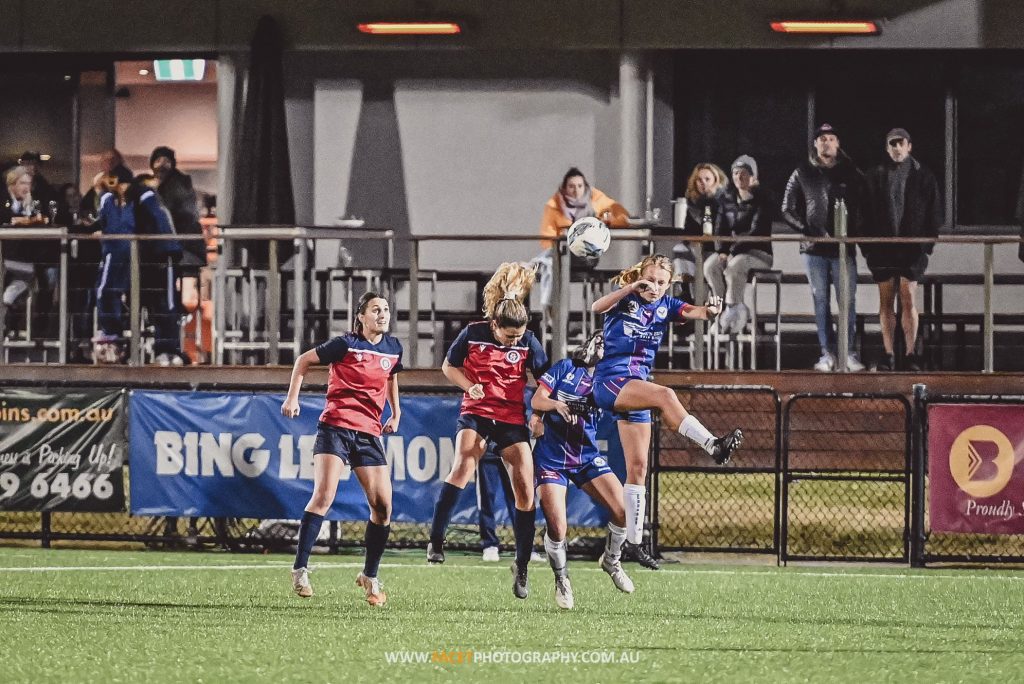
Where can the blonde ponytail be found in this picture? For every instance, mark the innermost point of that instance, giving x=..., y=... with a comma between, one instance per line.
x=505, y=293
x=633, y=273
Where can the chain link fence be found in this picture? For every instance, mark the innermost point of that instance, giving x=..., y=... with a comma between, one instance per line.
x=846, y=478
x=700, y=506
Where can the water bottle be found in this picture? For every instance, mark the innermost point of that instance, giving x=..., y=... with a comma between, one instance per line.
x=707, y=225
x=840, y=218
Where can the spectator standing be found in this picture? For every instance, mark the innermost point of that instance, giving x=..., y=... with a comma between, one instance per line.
x=178, y=195
x=904, y=201
x=746, y=209
x=111, y=164
x=809, y=208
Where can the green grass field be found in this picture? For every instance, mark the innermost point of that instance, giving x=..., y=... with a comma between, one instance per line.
x=119, y=616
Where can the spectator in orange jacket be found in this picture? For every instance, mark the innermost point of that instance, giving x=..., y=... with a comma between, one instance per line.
x=573, y=200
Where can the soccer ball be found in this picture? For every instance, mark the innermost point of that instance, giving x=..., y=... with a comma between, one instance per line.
x=589, y=237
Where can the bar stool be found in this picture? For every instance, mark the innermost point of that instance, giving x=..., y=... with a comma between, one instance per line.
x=755, y=277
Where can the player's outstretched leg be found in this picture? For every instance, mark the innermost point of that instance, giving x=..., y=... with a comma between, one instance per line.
x=725, y=445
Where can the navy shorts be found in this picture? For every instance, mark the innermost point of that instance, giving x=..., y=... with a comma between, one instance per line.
x=606, y=391
x=548, y=473
x=502, y=434
x=356, y=448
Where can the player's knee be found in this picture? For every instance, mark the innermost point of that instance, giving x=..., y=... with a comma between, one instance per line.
x=666, y=397
x=380, y=508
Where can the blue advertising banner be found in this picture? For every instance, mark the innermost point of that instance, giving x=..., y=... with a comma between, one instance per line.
x=235, y=455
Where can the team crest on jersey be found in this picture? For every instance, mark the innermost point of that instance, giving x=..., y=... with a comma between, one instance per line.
x=632, y=307
x=662, y=311
x=513, y=356
x=600, y=462
x=385, y=363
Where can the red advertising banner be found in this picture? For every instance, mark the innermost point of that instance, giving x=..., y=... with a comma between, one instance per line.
x=974, y=451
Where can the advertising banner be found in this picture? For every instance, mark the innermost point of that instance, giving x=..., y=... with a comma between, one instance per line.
x=975, y=479
x=62, y=451
x=235, y=455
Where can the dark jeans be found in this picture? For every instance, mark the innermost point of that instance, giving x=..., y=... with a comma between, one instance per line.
x=160, y=297
x=492, y=477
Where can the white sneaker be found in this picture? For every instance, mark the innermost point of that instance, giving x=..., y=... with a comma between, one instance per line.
x=853, y=364
x=373, y=589
x=826, y=363
x=490, y=554
x=619, y=577
x=300, y=582
x=563, y=593
x=537, y=558
x=163, y=360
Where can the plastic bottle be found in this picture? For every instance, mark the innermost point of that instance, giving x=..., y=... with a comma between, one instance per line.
x=707, y=225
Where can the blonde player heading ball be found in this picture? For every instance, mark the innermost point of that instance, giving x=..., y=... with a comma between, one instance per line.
x=636, y=317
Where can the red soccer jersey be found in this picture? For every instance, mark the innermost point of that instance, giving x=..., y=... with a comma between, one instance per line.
x=500, y=369
x=357, y=387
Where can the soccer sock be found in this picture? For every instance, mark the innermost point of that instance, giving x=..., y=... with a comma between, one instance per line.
x=613, y=543
x=524, y=528
x=309, y=529
x=556, y=555
x=376, y=538
x=692, y=428
x=443, y=512
x=634, y=497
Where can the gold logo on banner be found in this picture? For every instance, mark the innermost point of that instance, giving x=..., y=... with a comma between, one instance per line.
x=981, y=461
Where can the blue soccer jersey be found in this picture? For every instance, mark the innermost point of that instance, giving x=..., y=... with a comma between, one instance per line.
x=566, y=445
x=632, y=333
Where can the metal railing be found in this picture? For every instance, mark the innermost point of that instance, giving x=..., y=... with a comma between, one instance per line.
x=274, y=339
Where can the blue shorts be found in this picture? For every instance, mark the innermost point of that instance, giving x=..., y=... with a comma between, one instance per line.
x=502, y=434
x=580, y=475
x=606, y=391
x=358, y=449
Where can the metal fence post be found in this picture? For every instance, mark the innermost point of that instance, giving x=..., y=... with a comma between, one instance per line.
x=273, y=305
x=700, y=294
x=220, y=300
x=134, y=306
x=988, y=333
x=414, y=303
x=917, y=473
x=298, y=316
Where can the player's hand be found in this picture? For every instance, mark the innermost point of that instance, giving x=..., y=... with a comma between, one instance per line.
x=391, y=426
x=563, y=410
x=644, y=286
x=290, y=408
x=476, y=391
x=714, y=306
x=536, y=426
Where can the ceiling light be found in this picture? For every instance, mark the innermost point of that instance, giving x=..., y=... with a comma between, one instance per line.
x=410, y=28
x=143, y=72
x=828, y=27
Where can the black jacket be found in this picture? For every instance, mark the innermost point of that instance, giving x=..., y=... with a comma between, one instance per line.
x=922, y=215
x=753, y=217
x=809, y=203
x=177, y=195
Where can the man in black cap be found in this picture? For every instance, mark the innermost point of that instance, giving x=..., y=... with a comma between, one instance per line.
x=904, y=201
x=176, y=192
x=809, y=208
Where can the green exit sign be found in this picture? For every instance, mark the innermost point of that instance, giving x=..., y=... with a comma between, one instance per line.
x=179, y=69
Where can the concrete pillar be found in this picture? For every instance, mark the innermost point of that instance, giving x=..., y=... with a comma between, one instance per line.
x=632, y=105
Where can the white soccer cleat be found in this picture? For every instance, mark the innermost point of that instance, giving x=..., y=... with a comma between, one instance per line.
x=300, y=582
x=563, y=593
x=490, y=554
x=619, y=577
x=373, y=589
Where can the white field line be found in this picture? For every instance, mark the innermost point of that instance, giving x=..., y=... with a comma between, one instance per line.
x=579, y=566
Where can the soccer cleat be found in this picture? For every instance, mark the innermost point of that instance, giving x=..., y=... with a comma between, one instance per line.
x=619, y=577
x=300, y=583
x=725, y=445
x=520, y=583
x=435, y=555
x=374, y=590
x=563, y=593
x=637, y=552
x=490, y=554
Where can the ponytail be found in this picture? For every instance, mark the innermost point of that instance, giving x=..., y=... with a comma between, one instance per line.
x=633, y=273
x=505, y=293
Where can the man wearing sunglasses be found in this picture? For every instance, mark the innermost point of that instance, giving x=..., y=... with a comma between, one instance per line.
x=903, y=201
